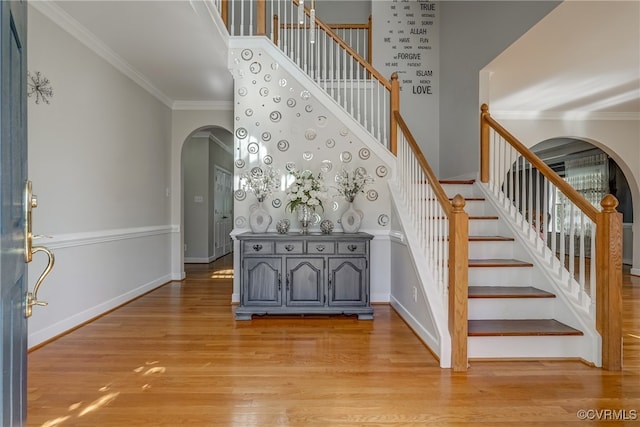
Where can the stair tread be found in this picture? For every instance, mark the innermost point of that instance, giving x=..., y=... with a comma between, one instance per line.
x=498, y=263
x=508, y=292
x=520, y=327
x=490, y=239
x=457, y=181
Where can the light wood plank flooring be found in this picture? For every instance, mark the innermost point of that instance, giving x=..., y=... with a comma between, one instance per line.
x=177, y=357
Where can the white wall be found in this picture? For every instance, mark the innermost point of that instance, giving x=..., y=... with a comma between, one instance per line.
x=195, y=161
x=98, y=158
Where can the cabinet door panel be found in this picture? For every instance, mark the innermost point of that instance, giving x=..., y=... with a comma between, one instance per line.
x=347, y=281
x=262, y=281
x=305, y=278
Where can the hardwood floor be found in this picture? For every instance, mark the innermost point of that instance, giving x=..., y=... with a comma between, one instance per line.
x=177, y=357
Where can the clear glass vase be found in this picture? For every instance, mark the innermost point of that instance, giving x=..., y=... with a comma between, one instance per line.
x=305, y=216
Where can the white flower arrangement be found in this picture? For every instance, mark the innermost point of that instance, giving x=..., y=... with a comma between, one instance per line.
x=262, y=182
x=352, y=183
x=307, y=189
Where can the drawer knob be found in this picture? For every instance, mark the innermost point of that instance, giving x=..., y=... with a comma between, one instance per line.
x=320, y=248
x=257, y=247
x=289, y=248
x=352, y=248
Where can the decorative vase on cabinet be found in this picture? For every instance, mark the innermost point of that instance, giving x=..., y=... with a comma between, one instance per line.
x=305, y=216
x=351, y=219
x=259, y=219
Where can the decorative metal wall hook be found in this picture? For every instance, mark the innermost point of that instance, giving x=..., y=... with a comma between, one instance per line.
x=39, y=86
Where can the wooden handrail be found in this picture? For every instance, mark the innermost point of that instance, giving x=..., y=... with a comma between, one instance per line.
x=573, y=195
x=355, y=55
x=442, y=197
x=394, y=107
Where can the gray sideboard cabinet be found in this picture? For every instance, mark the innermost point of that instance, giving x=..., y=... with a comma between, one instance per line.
x=304, y=274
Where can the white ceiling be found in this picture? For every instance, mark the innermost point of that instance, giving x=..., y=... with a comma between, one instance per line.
x=584, y=56
x=174, y=45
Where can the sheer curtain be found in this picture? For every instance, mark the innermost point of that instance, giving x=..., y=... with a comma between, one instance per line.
x=589, y=175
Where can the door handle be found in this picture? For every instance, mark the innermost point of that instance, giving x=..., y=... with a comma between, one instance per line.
x=30, y=202
x=32, y=297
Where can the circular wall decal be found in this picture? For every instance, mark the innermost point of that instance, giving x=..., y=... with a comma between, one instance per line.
x=283, y=145
x=276, y=99
x=307, y=155
x=266, y=136
x=240, y=221
x=239, y=163
x=240, y=195
x=248, y=112
x=345, y=157
x=372, y=195
x=282, y=82
x=310, y=134
x=253, y=148
x=381, y=171
x=275, y=116
x=330, y=143
x=364, y=153
x=308, y=108
x=383, y=220
x=291, y=102
x=276, y=203
x=267, y=160
x=326, y=166
x=255, y=67
x=247, y=54
x=241, y=133
x=305, y=94
x=321, y=121
x=264, y=91
x=242, y=91
x=290, y=166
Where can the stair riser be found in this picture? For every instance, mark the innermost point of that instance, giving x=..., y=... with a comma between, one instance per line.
x=477, y=208
x=528, y=347
x=490, y=250
x=464, y=190
x=510, y=308
x=503, y=276
x=483, y=227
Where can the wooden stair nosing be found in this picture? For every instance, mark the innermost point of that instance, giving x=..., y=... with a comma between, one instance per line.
x=491, y=239
x=520, y=327
x=457, y=181
x=498, y=263
x=508, y=292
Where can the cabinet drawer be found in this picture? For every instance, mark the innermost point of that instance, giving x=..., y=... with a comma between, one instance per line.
x=352, y=247
x=289, y=247
x=257, y=247
x=320, y=247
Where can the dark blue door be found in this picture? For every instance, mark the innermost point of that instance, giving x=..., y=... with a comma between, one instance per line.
x=13, y=175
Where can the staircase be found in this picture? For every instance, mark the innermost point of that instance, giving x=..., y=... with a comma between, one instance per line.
x=511, y=306
x=521, y=301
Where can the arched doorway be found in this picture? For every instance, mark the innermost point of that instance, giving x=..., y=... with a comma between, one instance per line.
x=594, y=173
x=207, y=177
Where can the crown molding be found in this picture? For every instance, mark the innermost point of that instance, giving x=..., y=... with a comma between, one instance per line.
x=86, y=37
x=564, y=115
x=202, y=105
